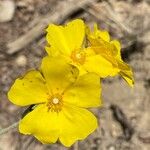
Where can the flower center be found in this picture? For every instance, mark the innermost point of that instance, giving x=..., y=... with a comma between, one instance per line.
x=55, y=100
x=55, y=103
x=78, y=57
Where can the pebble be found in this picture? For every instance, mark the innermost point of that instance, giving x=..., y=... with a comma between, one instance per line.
x=21, y=60
x=111, y=148
x=7, y=10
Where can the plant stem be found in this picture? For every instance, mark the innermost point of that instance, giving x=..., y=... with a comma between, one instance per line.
x=5, y=130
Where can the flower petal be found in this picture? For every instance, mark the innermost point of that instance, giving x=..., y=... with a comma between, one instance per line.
x=118, y=48
x=97, y=34
x=126, y=72
x=51, y=51
x=101, y=34
x=30, y=89
x=85, y=92
x=125, y=69
x=41, y=123
x=101, y=66
x=76, y=124
x=67, y=38
x=58, y=73
x=70, y=124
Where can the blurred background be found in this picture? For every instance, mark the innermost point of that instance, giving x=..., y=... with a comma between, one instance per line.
x=125, y=117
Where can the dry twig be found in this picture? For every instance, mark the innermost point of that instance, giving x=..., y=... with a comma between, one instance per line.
x=5, y=130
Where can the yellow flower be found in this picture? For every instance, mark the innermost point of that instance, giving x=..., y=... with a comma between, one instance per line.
x=100, y=42
x=60, y=97
x=70, y=42
x=88, y=51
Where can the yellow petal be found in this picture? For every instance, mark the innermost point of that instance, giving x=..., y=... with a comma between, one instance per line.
x=101, y=34
x=85, y=92
x=102, y=47
x=126, y=72
x=105, y=50
x=101, y=66
x=67, y=38
x=51, y=51
x=42, y=124
x=97, y=34
x=76, y=124
x=118, y=47
x=125, y=69
x=69, y=125
x=58, y=73
x=30, y=89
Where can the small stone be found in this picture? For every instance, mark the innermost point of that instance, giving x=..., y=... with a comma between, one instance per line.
x=7, y=10
x=21, y=60
x=115, y=130
x=111, y=147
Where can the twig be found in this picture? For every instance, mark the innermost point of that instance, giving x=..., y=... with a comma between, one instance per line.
x=5, y=130
x=36, y=31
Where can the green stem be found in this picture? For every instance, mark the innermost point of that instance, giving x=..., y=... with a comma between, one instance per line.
x=5, y=130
